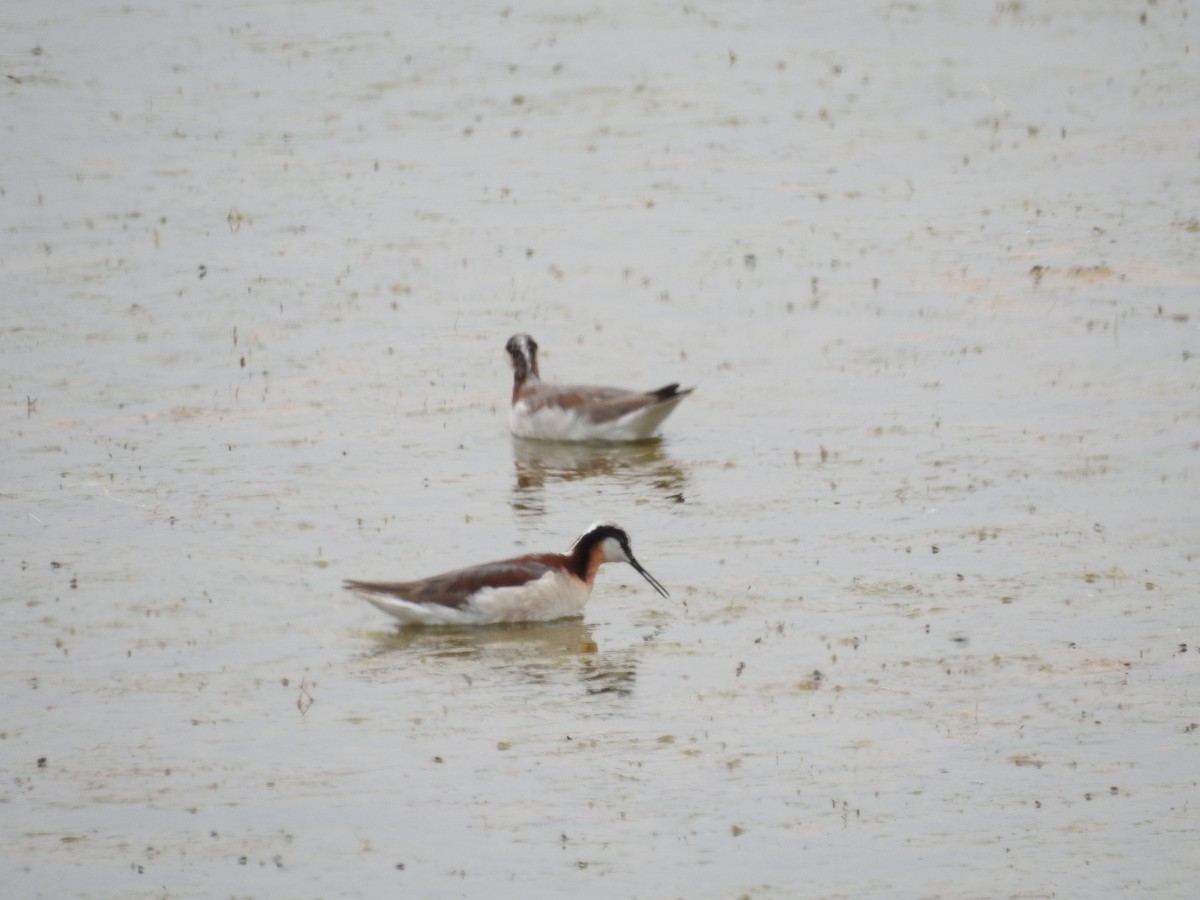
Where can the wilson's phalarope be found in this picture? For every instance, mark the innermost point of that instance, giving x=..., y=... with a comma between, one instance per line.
x=577, y=413
x=532, y=588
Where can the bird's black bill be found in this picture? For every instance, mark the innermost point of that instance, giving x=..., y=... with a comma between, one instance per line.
x=650, y=578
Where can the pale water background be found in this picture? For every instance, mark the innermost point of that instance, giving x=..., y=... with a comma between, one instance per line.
x=931, y=523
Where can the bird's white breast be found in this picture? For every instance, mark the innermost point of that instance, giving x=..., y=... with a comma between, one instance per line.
x=555, y=595
x=554, y=423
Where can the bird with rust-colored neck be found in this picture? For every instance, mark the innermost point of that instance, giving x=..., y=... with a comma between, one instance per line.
x=551, y=412
x=537, y=587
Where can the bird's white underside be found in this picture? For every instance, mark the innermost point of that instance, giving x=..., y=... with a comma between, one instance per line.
x=556, y=595
x=554, y=423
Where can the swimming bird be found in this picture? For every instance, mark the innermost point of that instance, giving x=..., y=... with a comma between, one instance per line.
x=533, y=588
x=551, y=412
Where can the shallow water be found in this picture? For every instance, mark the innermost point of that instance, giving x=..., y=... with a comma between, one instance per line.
x=929, y=523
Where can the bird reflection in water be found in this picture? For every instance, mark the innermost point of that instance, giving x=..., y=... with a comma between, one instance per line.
x=563, y=651
x=644, y=466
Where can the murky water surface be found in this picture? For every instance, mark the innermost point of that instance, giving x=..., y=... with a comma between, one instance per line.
x=930, y=523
